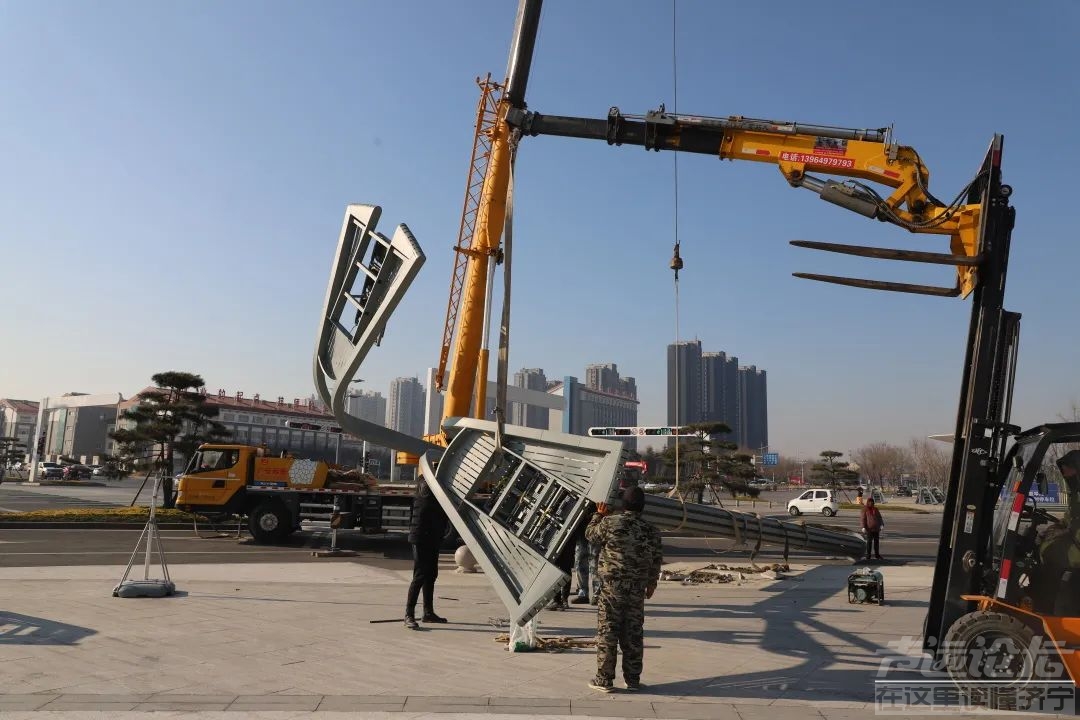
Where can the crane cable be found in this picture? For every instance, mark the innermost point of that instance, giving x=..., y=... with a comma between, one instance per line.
x=676, y=265
x=504, y=322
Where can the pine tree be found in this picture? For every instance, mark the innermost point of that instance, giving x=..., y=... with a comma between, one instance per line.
x=707, y=460
x=831, y=470
x=172, y=418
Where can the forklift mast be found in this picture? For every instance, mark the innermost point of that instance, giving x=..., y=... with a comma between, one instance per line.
x=982, y=427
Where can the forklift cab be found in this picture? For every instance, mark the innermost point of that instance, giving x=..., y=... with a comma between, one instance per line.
x=1030, y=572
x=1029, y=603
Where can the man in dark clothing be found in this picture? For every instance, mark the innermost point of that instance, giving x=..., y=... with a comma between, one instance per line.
x=582, y=561
x=427, y=529
x=872, y=522
x=585, y=563
x=565, y=562
x=629, y=567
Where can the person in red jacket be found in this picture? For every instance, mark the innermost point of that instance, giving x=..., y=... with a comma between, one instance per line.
x=872, y=523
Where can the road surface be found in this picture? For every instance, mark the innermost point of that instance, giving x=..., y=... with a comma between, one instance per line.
x=20, y=497
x=47, y=546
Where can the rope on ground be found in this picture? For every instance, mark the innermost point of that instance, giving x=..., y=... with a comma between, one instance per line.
x=217, y=533
x=735, y=526
x=677, y=493
x=783, y=529
x=757, y=545
x=555, y=644
x=719, y=573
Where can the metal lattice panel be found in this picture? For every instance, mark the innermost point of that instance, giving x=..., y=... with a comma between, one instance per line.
x=368, y=277
x=536, y=489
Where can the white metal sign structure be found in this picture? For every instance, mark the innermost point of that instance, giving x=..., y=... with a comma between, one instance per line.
x=368, y=277
x=537, y=486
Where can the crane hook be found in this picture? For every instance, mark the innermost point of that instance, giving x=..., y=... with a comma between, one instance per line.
x=676, y=262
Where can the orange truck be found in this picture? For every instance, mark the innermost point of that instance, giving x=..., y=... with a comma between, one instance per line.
x=277, y=494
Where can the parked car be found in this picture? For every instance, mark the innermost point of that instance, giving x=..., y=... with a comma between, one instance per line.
x=108, y=470
x=77, y=472
x=762, y=484
x=816, y=500
x=903, y=491
x=47, y=470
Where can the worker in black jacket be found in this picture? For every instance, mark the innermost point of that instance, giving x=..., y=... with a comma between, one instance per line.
x=427, y=529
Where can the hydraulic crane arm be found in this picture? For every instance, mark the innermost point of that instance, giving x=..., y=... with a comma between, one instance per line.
x=798, y=150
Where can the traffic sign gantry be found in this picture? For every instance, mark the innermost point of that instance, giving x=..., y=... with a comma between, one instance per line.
x=640, y=431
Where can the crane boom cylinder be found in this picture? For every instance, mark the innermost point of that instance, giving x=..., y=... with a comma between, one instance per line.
x=521, y=50
x=846, y=197
x=772, y=127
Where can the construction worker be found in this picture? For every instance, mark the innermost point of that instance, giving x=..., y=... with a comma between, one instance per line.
x=582, y=562
x=1059, y=546
x=564, y=562
x=629, y=568
x=427, y=528
x=1056, y=589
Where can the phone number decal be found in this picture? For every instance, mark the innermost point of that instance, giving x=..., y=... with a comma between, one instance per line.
x=838, y=162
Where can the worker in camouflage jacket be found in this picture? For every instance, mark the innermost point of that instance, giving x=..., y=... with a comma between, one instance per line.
x=629, y=568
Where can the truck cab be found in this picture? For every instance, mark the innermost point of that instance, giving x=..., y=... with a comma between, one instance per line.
x=216, y=478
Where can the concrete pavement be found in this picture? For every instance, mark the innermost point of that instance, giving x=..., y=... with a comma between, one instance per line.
x=309, y=640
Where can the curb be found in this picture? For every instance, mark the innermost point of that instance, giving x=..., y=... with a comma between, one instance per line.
x=64, y=483
x=57, y=483
x=90, y=525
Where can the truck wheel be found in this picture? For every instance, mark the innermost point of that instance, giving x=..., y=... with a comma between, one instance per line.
x=269, y=522
x=989, y=646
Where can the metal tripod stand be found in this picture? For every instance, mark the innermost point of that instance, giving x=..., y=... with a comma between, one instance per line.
x=147, y=587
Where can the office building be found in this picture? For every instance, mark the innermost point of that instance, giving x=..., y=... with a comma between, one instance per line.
x=405, y=408
x=533, y=416
x=605, y=378
x=584, y=407
x=17, y=420
x=684, y=398
x=753, y=408
x=79, y=431
x=720, y=391
x=712, y=387
x=433, y=405
x=367, y=405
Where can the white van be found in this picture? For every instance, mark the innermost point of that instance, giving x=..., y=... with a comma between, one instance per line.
x=816, y=500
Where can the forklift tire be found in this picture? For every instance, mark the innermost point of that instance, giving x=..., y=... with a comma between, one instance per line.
x=981, y=636
x=269, y=523
x=793, y=511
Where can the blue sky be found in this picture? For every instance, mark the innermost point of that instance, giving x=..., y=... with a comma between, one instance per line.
x=174, y=179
